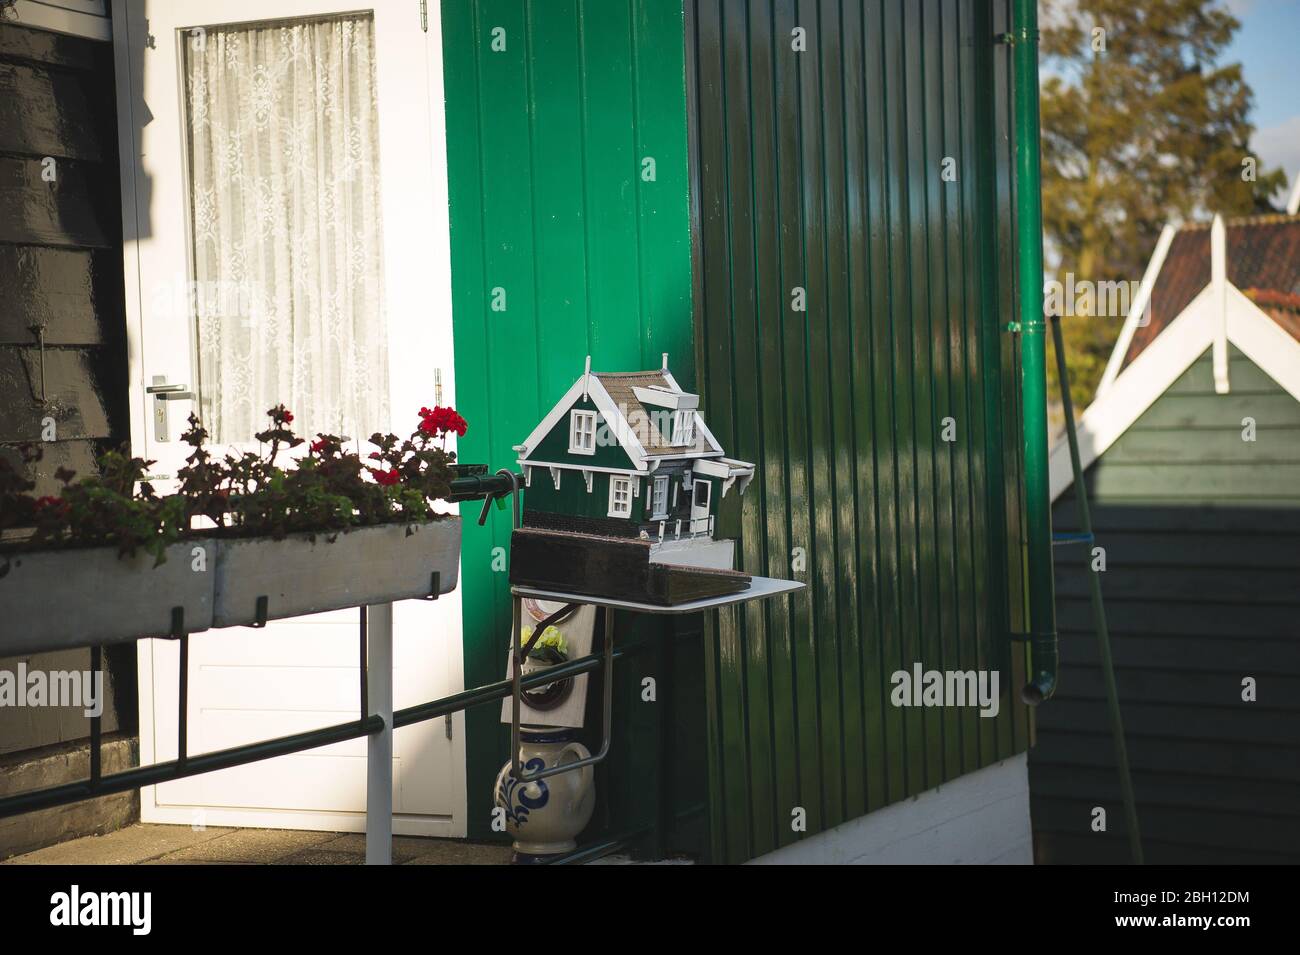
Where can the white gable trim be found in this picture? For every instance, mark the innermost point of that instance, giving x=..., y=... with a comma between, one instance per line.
x=1156, y=368
x=608, y=410
x=592, y=388
x=1264, y=342
x=1137, y=310
x=703, y=429
x=553, y=417
x=1162, y=362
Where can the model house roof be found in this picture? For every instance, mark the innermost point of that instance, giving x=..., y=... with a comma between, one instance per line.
x=637, y=407
x=622, y=387
x=1235, y=282
x=1263, y=261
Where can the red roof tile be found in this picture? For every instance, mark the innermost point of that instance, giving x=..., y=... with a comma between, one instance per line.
x=1263, y=255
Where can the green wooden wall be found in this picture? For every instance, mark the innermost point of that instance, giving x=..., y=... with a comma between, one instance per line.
x=1202, y=538
x=547, y=142
x=820, y=169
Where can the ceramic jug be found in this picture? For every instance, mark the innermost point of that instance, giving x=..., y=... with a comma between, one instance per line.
x=546, y=816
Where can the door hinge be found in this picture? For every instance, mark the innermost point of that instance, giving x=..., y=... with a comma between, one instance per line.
x=446, y=725
x=424, y=25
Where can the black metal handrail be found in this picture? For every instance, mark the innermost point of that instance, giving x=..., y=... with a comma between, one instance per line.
x=155, y=773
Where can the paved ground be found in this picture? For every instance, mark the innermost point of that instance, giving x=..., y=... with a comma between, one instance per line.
x=147, y=844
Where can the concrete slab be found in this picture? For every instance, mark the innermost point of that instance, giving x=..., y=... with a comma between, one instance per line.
x=130, y=846
x=405, y=848
x=452, y=852
x=148, y=844
x=250, y=846
x=323, y=857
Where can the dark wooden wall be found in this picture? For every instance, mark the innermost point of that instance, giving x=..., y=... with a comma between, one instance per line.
x=60, y=248
x=1202, y=587
x=60, y=274
x=821, y=169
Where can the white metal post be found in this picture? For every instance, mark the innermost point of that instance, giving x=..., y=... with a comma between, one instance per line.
x=379, y=746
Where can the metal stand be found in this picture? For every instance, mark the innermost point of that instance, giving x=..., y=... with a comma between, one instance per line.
x=378, y=701
x=760, y=588
x=519, y=653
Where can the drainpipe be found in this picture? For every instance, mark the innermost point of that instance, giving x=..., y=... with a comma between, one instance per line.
x=1033, y=355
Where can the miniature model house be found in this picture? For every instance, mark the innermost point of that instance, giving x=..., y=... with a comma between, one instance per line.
x=627, y=455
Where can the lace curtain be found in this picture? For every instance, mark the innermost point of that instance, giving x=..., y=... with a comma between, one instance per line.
x=287, y=244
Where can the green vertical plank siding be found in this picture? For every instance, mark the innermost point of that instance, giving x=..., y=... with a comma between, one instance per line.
x=545, y=144
x=820, y=170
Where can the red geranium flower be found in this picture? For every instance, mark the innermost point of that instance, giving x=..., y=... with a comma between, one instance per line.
x=442, y=421
x=319, y=445
x=386, y=478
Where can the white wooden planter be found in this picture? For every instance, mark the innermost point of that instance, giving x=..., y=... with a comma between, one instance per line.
x=60, y=599
x=260, y=579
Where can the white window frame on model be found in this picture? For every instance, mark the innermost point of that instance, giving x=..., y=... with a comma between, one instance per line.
x=684, y=426
x=582, y=432
x=659, y=497
x=620, y=496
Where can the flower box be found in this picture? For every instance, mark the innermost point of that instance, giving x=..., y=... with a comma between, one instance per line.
x=259, y=579
x=56, y=599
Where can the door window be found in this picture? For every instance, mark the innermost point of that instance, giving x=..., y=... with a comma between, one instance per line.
x=286, y=233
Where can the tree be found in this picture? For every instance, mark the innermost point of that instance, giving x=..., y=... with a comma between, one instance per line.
x=1141, y=125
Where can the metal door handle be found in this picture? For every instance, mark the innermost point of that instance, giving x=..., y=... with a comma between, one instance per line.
x=163, y=393
x=169, y=392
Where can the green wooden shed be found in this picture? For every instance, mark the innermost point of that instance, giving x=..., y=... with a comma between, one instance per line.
x=1192, y=451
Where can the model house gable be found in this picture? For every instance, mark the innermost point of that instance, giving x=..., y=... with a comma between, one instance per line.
x=627, y=421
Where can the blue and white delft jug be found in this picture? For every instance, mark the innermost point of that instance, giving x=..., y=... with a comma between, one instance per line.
x=545, y=816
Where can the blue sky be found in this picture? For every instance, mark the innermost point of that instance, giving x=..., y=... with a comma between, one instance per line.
x=1268, y=47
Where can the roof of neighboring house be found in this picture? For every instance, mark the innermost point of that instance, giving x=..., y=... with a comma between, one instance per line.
x=1263, y=260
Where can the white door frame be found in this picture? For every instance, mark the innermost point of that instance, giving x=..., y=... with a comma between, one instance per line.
x=700, y=513
x=408, y=367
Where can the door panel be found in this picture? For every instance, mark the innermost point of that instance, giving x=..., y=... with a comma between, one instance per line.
x=293, y=675
x=701, y=498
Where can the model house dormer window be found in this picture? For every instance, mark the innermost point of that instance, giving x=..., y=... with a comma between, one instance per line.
x=582, y=432
x=683, y=426
x=620, y=496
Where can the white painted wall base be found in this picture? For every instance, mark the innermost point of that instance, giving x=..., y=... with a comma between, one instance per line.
x=981, y=818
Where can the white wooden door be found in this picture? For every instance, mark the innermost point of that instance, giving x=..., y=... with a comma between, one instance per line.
x=246, y=684
x=701, y=498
